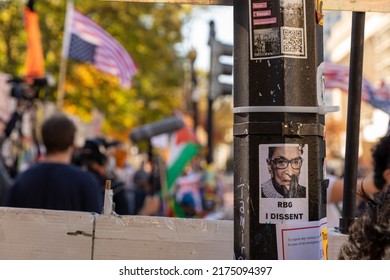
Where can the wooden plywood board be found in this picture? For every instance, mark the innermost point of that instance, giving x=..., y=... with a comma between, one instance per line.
x=161, y=238
x=382, y=6
x=36, y=234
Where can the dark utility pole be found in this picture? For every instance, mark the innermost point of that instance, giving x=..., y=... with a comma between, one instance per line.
x=194, y=90
x=210, y=102
x=218, y=69
x=278, y=107
x=353, y=121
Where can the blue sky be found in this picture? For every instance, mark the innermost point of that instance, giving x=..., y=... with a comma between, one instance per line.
x=198, y=32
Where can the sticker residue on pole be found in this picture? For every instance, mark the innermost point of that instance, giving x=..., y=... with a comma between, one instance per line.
x=277, y=29
x=283, y=173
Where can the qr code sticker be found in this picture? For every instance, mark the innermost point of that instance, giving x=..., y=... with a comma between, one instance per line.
x=292, y=41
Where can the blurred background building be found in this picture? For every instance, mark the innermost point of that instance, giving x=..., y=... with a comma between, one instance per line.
x=374, y=123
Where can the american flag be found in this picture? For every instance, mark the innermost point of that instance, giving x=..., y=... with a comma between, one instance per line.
x=87, y=42
x=337, y=76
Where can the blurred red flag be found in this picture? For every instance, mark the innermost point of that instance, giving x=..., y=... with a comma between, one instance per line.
x=34, y=65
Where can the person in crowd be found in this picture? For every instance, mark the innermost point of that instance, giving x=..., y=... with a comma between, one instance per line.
x=381, y=159
x=146, y=198
x=123, y=169
x=369, y=237
x=188, y=193
x=141, y=187
x=188, y=205
x=110, y=148
x=376, y=181
x=93, y=158
x=336, y=187
x=211, y=189
x=284, y=165
x=54, y=183
x=5, y=179
x=2, y=130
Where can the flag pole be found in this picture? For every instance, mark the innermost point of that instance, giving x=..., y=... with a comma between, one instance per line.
x=64, y=55
x=61, y=83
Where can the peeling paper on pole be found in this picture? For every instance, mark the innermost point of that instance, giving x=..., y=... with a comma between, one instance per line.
x=320, y=12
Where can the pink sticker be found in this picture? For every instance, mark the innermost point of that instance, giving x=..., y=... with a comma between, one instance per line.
x=261, y=5
x=264, y=21
x=262, y=13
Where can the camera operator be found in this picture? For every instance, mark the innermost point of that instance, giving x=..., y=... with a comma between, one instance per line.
x=93, y=157
x=26, y=94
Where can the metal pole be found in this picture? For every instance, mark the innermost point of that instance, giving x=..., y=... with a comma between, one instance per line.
x=194, y=82
x=353, y=121
x=210, y=102
x=64, y=57
x=278, y=56
x=210, y=132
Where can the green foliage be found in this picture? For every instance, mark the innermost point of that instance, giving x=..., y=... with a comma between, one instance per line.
x=12, y=41
x=149, y=32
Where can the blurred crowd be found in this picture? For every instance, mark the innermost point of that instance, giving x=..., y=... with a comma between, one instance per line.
x=198, y=193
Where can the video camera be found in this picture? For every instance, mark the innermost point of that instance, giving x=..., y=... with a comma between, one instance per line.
x=94, y=150
x=22, y=90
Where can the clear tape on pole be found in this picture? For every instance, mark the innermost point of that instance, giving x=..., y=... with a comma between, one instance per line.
x=322, y=110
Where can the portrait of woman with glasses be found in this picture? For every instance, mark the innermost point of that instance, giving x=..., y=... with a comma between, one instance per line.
x=284, y=166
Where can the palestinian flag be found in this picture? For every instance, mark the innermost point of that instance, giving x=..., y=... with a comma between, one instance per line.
x=183, y=147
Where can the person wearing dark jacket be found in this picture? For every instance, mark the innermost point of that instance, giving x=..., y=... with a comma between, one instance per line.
x=54, y=183
x=5, y=179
